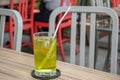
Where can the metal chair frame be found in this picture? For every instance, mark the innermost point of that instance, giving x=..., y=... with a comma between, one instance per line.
x=18, y=27
x=93, y=11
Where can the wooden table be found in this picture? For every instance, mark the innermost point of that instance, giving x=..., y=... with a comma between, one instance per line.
x=7, y=2
x=117, y=10
x=18, y=66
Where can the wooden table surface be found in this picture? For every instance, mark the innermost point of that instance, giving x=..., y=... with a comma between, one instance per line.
x=18, y=66
x=117, y=10
x=6, y=2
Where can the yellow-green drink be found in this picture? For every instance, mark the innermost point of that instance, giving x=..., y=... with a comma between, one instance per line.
x=44, y=54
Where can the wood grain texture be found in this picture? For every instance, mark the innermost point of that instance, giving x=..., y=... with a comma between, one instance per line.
x=18, y=66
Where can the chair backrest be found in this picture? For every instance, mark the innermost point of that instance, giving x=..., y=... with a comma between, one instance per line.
x=115, y=3
x=18, y=27
x=69, y=3
x=25, y=8
x=104, y=3
x=84, y=11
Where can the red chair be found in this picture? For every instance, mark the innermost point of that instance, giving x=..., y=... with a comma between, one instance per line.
x=25, y=7
x=115, y=3
x=65, y=23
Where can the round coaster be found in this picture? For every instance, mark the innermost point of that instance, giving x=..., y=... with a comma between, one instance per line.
x=58, y=73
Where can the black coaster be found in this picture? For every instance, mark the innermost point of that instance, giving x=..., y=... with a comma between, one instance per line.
x=58, y=73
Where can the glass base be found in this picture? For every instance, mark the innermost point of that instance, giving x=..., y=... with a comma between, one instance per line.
x=45, y=76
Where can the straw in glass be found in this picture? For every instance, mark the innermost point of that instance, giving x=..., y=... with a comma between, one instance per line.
x=52, y=46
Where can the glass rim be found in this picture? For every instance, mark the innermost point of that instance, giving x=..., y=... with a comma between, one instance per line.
x=42, y=34
x=39, y=32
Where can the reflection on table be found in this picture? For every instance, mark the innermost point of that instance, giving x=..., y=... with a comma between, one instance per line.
x=18, y=66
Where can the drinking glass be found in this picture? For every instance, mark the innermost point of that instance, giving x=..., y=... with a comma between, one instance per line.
x=44, y=54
